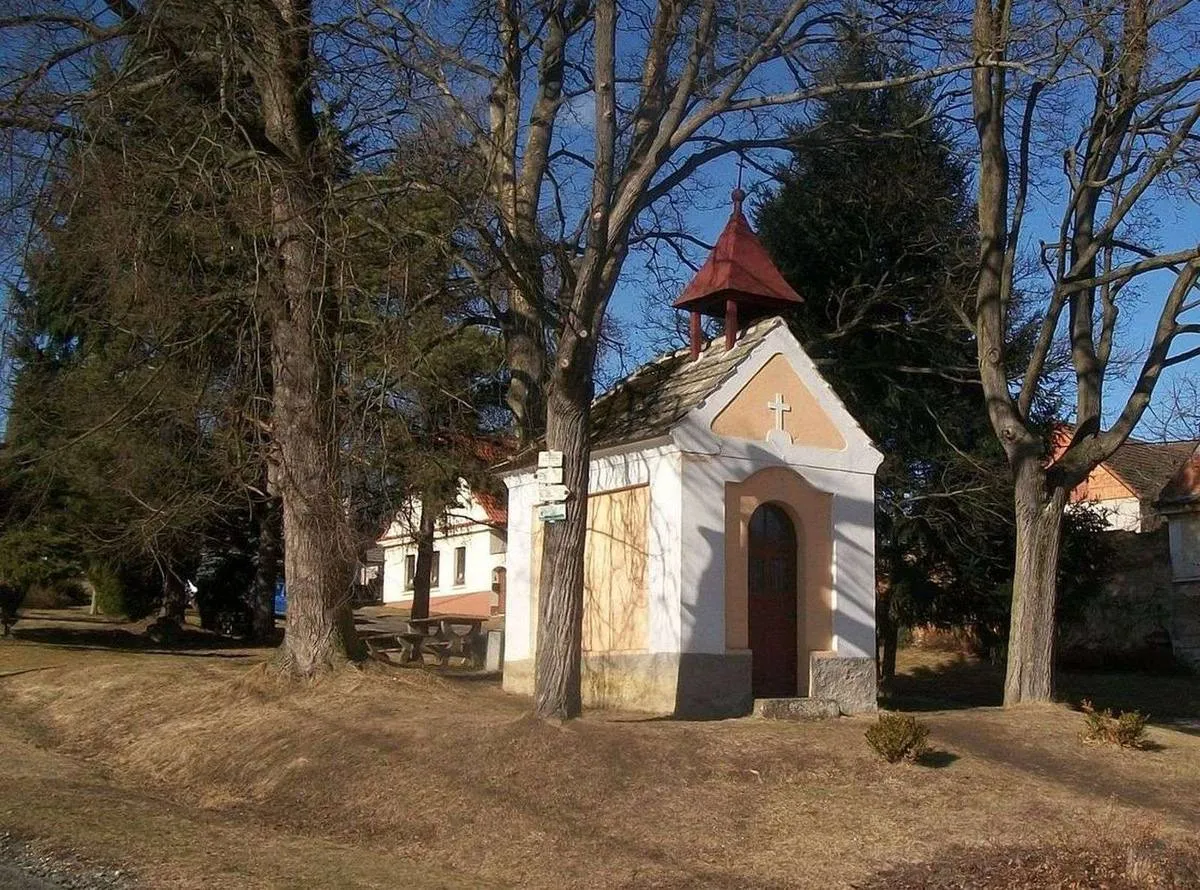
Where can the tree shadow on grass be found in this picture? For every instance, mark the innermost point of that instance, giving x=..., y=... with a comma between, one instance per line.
x=186, y=641
x=937, y=759
x=957, y=682
x=1168, y=699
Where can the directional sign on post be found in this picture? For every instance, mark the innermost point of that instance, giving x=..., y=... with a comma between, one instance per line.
x=552, y=494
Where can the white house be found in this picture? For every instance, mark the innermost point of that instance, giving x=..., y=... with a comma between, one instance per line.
x=731, y=546
x=469, y=547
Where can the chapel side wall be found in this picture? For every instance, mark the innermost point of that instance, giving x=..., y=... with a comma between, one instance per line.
x=854, y=567
x=633, y=542
x=519, y=605
x=702, y=540
x=615, y=571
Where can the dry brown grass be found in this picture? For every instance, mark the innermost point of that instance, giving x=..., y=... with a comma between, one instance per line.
x=212, y=773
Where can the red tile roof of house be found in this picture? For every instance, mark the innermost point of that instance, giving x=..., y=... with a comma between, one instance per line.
x=738, y=266
x=495, y=506
x=1147, y=467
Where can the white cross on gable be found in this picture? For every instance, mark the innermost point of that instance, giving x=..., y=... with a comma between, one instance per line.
x=779, y=407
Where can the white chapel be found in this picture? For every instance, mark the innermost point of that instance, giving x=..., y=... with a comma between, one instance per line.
x=731, y=544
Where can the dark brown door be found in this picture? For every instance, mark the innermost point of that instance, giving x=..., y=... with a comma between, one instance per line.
x=772, y=602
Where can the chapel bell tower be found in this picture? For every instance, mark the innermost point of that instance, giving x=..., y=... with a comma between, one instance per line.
x=738, y=281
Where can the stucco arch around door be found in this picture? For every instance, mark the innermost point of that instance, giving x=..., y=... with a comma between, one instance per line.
x=811, y=512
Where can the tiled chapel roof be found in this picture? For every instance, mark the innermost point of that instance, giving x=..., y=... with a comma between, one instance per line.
x=655, y=397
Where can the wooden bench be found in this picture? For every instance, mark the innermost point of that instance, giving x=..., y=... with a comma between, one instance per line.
x=444, y=642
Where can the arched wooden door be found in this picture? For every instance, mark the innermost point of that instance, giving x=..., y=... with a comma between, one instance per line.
x=772, y=602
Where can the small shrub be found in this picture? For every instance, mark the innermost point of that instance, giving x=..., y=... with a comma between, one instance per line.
x=1127, y=728
x=897, y=737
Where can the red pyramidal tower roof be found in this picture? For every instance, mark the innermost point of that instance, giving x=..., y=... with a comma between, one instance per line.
x=740, y=269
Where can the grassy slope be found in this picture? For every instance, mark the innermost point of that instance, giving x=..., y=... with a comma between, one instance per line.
x=207, y=771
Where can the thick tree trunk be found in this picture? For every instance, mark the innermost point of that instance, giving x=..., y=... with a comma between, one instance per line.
x=266, y=571
x=557, y=678
x=1039, y=513
x=422, y=577
x=320, y=626
x=525, y=349
x=306, y=468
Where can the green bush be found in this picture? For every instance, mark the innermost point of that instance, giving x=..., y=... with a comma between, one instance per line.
x=33, y=557
x=1126, y=729
x=897, y=737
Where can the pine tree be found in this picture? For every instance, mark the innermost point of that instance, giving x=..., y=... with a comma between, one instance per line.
x=873, y=223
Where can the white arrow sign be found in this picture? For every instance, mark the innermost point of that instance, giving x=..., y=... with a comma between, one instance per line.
x=552, y=494
x=550, y=475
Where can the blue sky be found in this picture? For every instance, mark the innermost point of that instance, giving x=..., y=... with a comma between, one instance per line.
x=1176, y=225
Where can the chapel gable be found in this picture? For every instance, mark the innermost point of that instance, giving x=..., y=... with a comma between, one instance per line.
x=776, y=400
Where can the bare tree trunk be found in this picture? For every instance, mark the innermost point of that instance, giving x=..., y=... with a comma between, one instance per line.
x=525, y=348
x=174, y=605
x=1039, y=513
x=422, y=575
x=266, y=572
x=557, y=678
x=320, y=624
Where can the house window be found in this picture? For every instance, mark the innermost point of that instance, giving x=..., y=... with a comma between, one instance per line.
x=410, y=571
x=460, y=566
x=435, y=568
x=499, y=541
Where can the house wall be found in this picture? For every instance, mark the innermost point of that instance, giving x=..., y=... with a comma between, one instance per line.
x=1127, y=622
x=1184, y=537
x=480, y=562
x=1121, y=506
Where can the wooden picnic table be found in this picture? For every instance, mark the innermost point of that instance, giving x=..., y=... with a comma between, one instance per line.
x=441, y=637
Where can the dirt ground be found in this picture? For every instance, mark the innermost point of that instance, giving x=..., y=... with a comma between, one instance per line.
x=198, y=768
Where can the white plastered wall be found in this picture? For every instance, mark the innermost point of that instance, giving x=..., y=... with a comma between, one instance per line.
x=466, y=525
x=655, y=464
x=849, y=475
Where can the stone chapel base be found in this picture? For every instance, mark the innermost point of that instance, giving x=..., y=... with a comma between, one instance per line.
x=700, y=685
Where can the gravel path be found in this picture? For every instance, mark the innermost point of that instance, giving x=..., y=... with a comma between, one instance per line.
x=24, y=868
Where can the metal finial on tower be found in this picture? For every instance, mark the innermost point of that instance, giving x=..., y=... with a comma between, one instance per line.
x=738, y=195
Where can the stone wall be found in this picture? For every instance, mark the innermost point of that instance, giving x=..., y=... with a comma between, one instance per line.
x=1185, y=623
